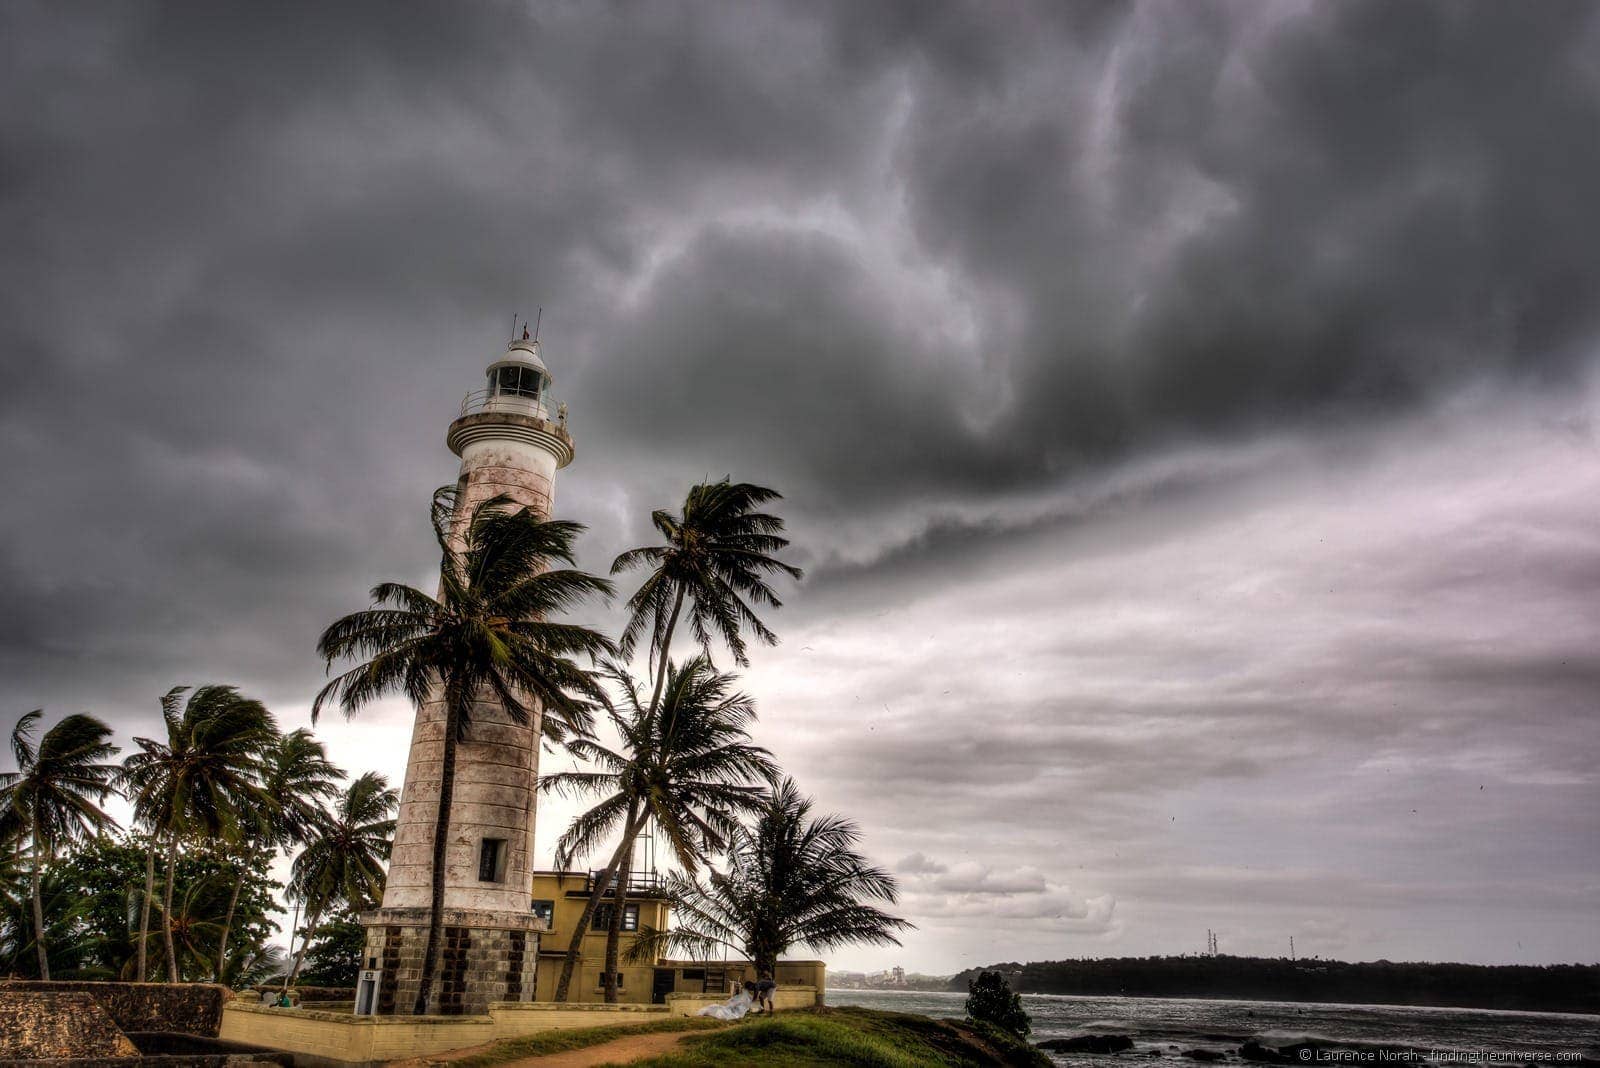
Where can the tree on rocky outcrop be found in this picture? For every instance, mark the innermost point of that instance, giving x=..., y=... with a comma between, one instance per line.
x=991, y=1000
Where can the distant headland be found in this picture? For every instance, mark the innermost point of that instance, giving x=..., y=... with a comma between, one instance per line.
x=1551, y=988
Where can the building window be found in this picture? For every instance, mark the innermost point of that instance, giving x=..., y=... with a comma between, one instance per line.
x=694, y=973
x=630, y=918
x=492, y=861
x=546, y=911
x=600, y=981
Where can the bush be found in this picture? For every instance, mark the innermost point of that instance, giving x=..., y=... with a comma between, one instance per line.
x=990, y=1000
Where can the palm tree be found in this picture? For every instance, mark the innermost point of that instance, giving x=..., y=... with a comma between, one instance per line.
x=791, y=880
x=54, y=796
x=717, y=556
x=344, y=860
x=296, y=779
x=488, y=633
x=71, y=946
x=200, y=781
x=688, y=770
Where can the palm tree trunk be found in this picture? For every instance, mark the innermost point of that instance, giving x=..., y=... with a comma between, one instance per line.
x=312, y=919
x=575, y=947
x=666, y=644
x=441, y=831
x=166, y=908
x=38, y=904
x=144, y=909
x=619, y=902
x=233, y=904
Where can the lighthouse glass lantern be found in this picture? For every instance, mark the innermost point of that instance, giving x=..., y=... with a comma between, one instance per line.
x=519, y=381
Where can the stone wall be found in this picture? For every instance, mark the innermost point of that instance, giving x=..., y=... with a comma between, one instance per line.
x=190, y=1008
x=52, y=1025
x=483, y=960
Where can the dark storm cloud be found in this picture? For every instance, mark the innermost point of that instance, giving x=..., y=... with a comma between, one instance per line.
x=971, y=287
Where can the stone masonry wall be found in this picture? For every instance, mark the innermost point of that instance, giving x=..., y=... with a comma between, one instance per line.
x=190, y=1008
x=478, y=966
x=58, y=1025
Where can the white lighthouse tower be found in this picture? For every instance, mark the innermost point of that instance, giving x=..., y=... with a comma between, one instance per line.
x=512, y=438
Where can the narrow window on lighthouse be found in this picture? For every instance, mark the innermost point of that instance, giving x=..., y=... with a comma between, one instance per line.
x=492, y=861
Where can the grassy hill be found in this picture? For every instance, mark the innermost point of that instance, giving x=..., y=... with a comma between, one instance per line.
x=862, y=1038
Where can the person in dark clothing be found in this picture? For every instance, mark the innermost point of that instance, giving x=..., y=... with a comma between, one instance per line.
x=763, y=992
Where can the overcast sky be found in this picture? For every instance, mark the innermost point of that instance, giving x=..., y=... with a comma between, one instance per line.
x=1185, y=412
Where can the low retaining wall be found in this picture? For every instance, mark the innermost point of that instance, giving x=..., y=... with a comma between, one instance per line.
x=783, y=998
x=340, y=1040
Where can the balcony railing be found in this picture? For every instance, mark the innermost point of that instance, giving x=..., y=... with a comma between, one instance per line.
x=640, y=884
x=546, y=407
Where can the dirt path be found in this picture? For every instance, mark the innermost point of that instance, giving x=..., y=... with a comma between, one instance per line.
x=627, y=1048
x=631, y=1048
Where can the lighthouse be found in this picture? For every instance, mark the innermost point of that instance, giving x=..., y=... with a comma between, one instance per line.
x=512, y=438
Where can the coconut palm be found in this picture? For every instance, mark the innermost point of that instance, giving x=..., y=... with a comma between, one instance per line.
x=54, y=797
x=199, y=781
x=296, y=779
x=715, y=563
x=489, y=633
x=792, y=880
x=71, y=946
x=343, y=862
x=689, y=770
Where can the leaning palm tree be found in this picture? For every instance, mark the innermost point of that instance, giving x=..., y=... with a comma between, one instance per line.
x=689, y=770
x=489, y=633
x=296, y=779
x=792, y=880
x=718, y=554
x=715, y=564
x=344, y=861
x=199, y=781
x=54, y=797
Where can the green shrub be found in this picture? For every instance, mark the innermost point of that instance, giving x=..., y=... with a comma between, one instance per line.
x=990, y=1000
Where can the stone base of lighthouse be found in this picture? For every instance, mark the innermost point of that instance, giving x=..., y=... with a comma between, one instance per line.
x=484, y=957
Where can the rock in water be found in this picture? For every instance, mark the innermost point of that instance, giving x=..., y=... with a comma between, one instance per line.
x=1088, y=1044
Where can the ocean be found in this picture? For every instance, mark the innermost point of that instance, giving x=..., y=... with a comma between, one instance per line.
x=1176, y=1025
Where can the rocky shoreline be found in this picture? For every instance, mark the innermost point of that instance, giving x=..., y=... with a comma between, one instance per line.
x=1246, y=1048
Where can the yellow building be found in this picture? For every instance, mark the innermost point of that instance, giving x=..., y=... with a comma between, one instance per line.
x=559, y=899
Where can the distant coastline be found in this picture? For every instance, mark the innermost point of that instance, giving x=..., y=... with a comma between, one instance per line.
x=1551, y=988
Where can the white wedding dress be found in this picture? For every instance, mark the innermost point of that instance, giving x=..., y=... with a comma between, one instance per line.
x=734, y=1008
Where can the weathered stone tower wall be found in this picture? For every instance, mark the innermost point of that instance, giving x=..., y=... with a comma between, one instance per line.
x=511, y=440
